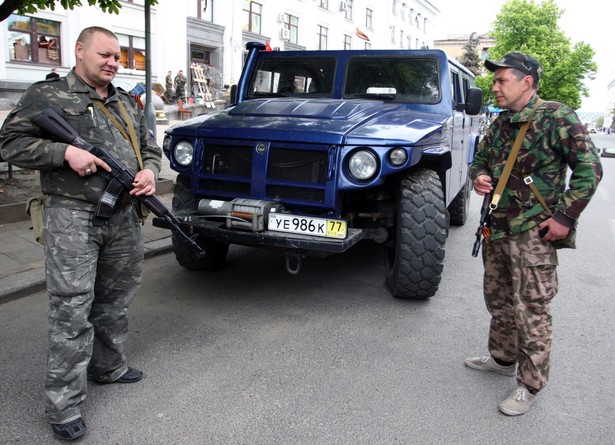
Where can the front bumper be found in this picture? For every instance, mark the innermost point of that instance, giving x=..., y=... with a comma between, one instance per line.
x=216, y=230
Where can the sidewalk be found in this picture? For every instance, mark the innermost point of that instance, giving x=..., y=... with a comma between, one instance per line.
x=22, y=267
x=22, y=259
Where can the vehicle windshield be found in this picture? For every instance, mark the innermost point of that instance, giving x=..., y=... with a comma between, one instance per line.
x=391, y=78
x=408, y=80
x=292, y=76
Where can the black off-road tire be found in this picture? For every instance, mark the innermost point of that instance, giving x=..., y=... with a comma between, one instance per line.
x=414, y=265
x=185, y=255
x=460, y=206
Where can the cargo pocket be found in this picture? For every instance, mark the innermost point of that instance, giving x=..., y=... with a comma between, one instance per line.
x=35, y=207
x=539, y=276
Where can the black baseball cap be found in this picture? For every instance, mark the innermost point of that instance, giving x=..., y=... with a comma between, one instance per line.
x=522, y=62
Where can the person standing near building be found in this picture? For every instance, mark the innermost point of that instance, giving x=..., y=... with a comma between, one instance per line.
x=53, y=74
x=93, y=268
x=180, y=86
x=168, y=87
x=520, y=278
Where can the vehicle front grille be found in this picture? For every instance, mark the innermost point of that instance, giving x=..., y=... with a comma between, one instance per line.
x=284, y=173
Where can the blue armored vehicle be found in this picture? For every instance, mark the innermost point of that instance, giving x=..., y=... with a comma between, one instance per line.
x=320, y=150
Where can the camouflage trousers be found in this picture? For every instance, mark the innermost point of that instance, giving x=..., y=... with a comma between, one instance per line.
x=519, y=283
x=93, y=274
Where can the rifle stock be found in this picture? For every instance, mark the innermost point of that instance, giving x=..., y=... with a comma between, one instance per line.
x=52, y=122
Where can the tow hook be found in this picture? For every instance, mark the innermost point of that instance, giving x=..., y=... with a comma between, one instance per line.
x=294, y=261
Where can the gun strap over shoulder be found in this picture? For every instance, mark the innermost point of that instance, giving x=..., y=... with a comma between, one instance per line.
x=512, y=157
x=111, y=195
x=131, y=135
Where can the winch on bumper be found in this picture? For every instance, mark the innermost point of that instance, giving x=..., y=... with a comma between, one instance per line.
x=251, y=222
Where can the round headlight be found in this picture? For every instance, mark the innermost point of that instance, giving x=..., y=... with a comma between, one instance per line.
x=166, y=143
x=362, y=165
x=398, y=156
x=183, y=153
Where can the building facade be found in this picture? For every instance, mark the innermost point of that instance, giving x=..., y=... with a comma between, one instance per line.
x=207, y=33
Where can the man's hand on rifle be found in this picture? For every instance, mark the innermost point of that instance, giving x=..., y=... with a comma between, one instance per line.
x=144, y=183
x=83, y=162
x=483, y=184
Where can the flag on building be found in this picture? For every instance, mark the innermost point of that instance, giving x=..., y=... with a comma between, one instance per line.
x=361, y=35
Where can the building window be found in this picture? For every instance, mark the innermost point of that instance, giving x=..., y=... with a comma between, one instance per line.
x=348, y=12
x=392, y=29
x=401, y=38
x=132, y=52
x=324, y=4
x=347, y=42
x=368, y=45
x=369, y=16
x=205, y=10
x=252, y=13
x=292, y=24
x=322, y=37
x=394, y=4
x=34, y=40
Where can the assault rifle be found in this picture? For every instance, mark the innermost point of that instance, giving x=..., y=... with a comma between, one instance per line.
x=483, y=225
x=120, y=178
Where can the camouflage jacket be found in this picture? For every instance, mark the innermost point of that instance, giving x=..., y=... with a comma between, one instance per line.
x=180, y=83
x=24, y=143
x=555, y=140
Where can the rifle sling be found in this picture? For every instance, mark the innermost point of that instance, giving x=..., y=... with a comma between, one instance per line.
x=131, y=136
x=108, y=201
x=512, y=157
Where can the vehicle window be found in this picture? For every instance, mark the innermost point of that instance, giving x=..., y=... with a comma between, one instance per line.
x=293, y=77
x=409, y=80
x=454, y=87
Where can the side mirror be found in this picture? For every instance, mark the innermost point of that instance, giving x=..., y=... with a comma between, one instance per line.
x=474, y=101
x=233, y=94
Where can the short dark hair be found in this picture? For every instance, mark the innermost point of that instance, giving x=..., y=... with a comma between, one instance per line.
x=85, y=36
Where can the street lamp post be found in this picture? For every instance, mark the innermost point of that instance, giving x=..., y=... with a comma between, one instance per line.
x=150, y=113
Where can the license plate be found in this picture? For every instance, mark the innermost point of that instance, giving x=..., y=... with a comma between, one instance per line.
x=327, y=228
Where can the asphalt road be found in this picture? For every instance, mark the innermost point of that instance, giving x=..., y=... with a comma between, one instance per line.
x=253, y=355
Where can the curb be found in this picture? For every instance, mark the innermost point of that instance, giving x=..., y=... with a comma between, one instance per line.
x=12, y=213
x=22, y=284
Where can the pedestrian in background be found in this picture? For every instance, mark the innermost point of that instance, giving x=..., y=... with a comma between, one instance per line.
x=520, y=278
x=53, y=74
x=168, y=87
x=180, y=86
x=93, y=263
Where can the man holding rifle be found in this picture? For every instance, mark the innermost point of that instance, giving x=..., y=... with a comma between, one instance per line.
x=534, y=209
x=94, y=241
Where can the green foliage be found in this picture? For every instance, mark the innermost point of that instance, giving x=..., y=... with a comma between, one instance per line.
x=470, y=57
x=31, y=6
x=600, y=121
x=531, y=28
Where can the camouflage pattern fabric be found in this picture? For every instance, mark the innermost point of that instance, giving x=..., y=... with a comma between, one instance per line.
x=556, y=139
x=24, y=144
x=93, y=273
x=90, y=289
x=168, y=87
x=180, y=87
x=519, y=283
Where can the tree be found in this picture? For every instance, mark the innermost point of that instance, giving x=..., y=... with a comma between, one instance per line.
x=525, y=26
x=31, y=6
x=600, y=121
x=470, y=58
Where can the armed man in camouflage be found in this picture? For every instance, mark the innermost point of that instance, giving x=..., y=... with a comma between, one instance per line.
x=180, y=86
x=93, y=271
x=520, y=277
